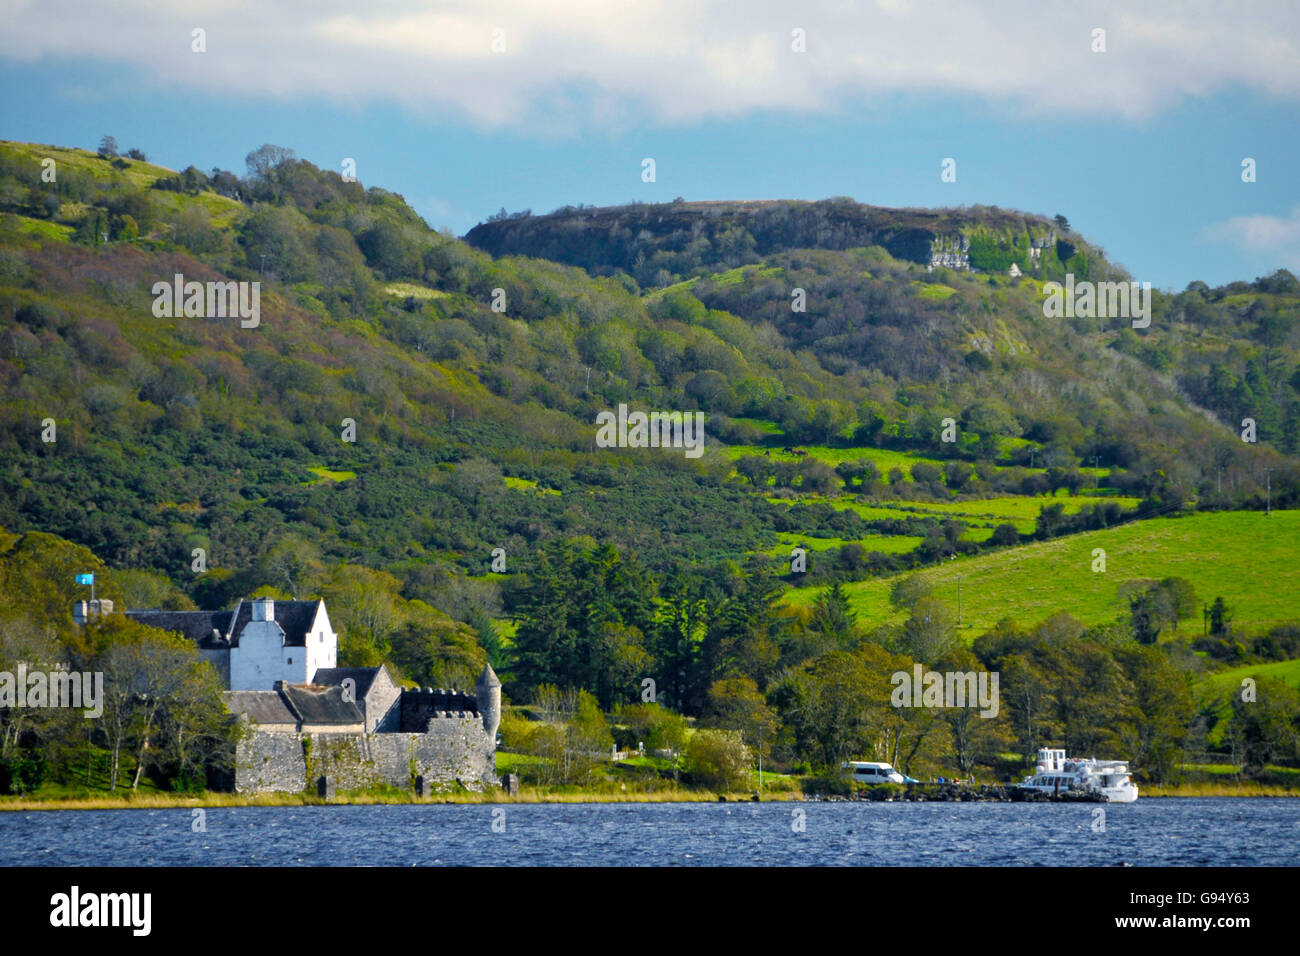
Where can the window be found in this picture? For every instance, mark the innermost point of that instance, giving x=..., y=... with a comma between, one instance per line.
x=291, y=660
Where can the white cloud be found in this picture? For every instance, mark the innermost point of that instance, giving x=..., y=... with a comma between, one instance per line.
x=575, y=64
x=1277, y=235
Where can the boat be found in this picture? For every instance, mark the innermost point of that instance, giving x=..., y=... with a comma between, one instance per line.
x=1057, y=773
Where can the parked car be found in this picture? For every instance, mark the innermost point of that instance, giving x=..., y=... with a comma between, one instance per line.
x=872, y=773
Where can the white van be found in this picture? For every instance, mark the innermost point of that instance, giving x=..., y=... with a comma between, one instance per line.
x=865, y=772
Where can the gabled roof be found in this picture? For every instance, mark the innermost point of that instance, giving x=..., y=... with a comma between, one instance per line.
x=335, y=676
x=294, y=617
x=198, y=626
x=260, y=706
x=315, y=704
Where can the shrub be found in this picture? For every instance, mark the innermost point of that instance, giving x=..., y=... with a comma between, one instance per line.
x=655, y=726
x=718, y=759
x=517, y=731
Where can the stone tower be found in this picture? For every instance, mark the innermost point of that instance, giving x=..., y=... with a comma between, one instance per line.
x=488, y=692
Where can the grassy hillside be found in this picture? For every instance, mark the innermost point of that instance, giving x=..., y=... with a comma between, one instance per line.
x=1247, y=558
x=474, y=383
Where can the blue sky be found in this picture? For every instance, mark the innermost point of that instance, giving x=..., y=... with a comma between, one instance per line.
x=1139, y=146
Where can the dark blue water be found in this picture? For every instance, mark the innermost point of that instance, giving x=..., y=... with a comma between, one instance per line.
x=1175, y=832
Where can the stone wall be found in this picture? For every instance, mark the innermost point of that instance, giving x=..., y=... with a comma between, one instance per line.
x=453, y=749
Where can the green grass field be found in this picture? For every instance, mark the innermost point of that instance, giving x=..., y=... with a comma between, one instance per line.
x=1019, y=511
x=410, y=289
x=528, y=484
x=42, y=228
x=1247, y=558
x=887, y=544
x=1288, y=672
x=933, y=290
x=884, y=458
x=325, y=474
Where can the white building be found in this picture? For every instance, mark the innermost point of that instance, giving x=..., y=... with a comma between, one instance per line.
x=265, y=652
x=260, y=642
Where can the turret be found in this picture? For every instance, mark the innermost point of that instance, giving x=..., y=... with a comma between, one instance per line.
x=487, y=690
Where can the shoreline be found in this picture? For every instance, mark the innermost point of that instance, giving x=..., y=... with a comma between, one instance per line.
x=158, y=801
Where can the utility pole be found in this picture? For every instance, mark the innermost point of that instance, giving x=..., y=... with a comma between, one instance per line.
x=959, y=602
x=1268, y=501
x=1096, y=467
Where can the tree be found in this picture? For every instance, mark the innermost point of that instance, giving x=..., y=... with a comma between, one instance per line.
x=293, y=564
x=738, y=704
x=657, y=727
x=972, y=737
x=907, y=591
x=755, y=469
x=263, y=165
x=1164, y=710
x=930, y=631
x=575, y=735
x=1026, y=690
x=719, y=759
x=583, y=613
x=107, y=147
x=150, y=590
x=832, y=616
x=435, y=651
x=1005, y=534
x=1149, y=613
x=272, y=239
x=1220, y=617
x=368, y=610
x=1266, y=729
x=160, y=697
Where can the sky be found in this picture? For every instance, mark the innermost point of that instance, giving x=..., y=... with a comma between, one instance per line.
x=1137, y=134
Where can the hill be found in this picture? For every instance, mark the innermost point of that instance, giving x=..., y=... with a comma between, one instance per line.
x=410, y=410
x=662, y=243
x=1219, y=553
x=473, y=383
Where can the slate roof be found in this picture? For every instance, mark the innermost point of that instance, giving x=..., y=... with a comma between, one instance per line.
x=335, y=676
x=294, y=617
x=261, y=706
x=315, y=704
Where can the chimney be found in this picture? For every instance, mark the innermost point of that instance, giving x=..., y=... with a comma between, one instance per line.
x=264, y=609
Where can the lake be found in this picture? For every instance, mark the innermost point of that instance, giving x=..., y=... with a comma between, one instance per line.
x=1165, y=832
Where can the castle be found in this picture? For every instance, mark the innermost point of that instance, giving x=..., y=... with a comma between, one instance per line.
x=313, y=725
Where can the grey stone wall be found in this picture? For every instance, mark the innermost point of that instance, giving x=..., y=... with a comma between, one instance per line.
x=383, y=712
x=453, y=749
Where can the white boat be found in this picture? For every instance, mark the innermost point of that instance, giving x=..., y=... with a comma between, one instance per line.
x=1057, y=773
